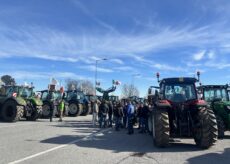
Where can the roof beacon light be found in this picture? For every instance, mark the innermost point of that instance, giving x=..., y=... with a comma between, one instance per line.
x=198, y=75
x=158, y=76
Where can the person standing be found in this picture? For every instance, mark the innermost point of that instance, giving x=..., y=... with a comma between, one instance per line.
x=110, y=113
x=52, y=104
x=95, y=112
x=118, y=114
x=61, y=105
x=130, y=116
x=103, y=110
x=125, y=115
x=139, y=115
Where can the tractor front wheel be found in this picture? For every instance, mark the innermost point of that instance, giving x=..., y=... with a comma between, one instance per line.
x=160, y=128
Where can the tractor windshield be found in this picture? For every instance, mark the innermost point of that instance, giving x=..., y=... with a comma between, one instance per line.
x=180, y=92
x=25, y=92
x=215, y=93
x=75, y=95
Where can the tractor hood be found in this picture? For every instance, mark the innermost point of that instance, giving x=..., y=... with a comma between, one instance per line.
x=36, y=101
x=20, y=101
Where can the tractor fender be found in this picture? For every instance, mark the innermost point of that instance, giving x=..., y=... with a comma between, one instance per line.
x=163, y=104
x=199, y=103
x=20, y=101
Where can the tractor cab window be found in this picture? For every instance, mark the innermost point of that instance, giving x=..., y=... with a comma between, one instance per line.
x=44, y=95
x=74, y=95
x=25, y=92
x=10, y=91
x=211, y=94
x=179, y=92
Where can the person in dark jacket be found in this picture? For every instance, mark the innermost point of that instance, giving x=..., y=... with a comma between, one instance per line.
x=103, y=111
x=125, y=115
x=139, y=111
x=110, y=113
x=144, y=113
x=118, y=114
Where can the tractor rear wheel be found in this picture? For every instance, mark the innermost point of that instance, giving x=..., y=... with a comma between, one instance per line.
x=11, y=112
x=46, y=109
x=221, y=127
x=205, y=133
x=86, y=110
x=160, y=128
x=74, y=109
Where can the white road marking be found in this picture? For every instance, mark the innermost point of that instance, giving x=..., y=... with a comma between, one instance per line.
x=16, y=125
x=58, y=147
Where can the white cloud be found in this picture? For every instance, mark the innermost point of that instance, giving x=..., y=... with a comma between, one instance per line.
x=21, y=75
x=117, y=61
x=199, y=55
x=211, y=55
x=92, y=68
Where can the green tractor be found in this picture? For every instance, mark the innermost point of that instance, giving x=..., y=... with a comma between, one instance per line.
x=178, y=112
x=19, y=102
x=78, y=103
x=218, y=100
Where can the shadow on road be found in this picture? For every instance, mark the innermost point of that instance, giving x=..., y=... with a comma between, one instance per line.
x=212, y=158
x=116, y=141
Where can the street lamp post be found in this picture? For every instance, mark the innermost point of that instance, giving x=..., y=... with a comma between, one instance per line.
x=133, y=76
x=96, y=64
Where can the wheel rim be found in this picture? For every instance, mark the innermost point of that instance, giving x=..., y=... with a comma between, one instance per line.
x=73, y=109
x=46, y=110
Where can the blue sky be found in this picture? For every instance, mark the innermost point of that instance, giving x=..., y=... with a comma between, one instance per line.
x=63, y=38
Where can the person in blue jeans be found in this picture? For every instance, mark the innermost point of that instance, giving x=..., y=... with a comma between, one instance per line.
x=130, y=116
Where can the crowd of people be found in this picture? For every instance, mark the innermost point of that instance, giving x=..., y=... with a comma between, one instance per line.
x=121, y=115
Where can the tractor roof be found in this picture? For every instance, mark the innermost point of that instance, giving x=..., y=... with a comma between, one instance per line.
x=176, y=80
x=74, y=91
x=213, y=86
x=20, y=86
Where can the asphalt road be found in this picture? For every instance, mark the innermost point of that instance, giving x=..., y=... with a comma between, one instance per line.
x=76, y=141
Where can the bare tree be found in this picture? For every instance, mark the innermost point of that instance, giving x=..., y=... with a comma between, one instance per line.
x=84, y=85
x=129, y=90
x=8, y=80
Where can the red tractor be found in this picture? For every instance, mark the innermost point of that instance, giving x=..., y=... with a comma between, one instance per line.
x=177, y=112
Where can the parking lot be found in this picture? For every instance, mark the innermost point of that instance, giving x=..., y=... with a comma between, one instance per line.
x=76, y=141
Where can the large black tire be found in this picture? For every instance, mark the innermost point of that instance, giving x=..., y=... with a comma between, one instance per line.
x=10, y=112
x=46, y=109
x=160, y=128
x=86, y=110
x=74, y=109
x=36, y=113
x=205, y=133
x=221, y=127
